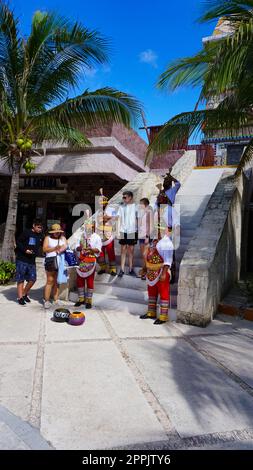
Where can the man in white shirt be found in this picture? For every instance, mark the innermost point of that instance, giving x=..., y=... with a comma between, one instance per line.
x=127, y=215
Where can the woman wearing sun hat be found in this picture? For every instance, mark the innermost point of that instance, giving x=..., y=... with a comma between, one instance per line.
x=54, y=244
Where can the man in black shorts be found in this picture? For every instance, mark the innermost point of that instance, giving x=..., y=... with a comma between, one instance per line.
x=128, y=231
x=27, y=248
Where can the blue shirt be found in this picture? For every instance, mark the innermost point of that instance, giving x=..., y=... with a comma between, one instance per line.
x=172, y=192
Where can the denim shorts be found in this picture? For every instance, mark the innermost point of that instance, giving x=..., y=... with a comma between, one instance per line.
x=25, y=271
x=142, y=240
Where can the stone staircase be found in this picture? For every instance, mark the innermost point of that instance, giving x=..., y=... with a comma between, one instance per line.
x=128, y=291
x=191, y=203
x=131, y=293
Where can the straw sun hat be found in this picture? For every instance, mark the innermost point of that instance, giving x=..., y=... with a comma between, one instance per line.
x=56, y=228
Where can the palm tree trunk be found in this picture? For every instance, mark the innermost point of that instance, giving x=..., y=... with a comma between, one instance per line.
x=10, y=228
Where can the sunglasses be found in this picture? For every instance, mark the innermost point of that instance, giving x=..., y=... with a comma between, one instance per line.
x=124, y=197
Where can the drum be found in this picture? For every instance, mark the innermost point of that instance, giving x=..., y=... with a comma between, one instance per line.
x=76, y=318
x=61, y=315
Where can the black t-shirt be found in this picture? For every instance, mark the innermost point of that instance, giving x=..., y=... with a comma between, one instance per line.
x=28, y=240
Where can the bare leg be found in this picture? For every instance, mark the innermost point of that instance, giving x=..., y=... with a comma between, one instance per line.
x=28, y=287
x=123, y=256
x=56, y=289
x=20, y=288
x=49, y=284
x=130, y=256
x=142, y=250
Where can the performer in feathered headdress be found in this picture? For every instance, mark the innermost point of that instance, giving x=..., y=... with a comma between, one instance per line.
x=104, y=227
x=89, y=249
x=158, y=263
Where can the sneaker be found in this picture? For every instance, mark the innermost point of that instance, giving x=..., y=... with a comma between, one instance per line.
x=21, y=301
x=47, y=304
x=88, y=306
x=121, y=273
x=159, y=322
x=58, y=302
x=26, y=299
x=145, y=316
x=132, y=273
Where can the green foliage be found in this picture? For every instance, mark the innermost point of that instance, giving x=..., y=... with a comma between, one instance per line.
x=223, y=68
x=7, y=271
x=39, y=72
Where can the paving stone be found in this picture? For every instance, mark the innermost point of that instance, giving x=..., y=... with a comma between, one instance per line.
x=16, y=379
x=95, y=402
x=92, y=328
x=233, y=351
x=198, y=396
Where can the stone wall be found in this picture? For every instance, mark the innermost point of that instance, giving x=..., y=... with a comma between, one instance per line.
x=212, y=262
x=127, y=137
x=167, y=160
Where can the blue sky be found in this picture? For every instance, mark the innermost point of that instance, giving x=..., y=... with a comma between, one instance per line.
x=145, y=35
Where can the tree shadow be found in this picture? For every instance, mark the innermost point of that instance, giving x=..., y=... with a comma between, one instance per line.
x=10, y=293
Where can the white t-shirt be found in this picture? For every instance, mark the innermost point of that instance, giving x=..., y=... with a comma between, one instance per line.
x=165, y=249
x=127, y=218
x=53, y=243
x=145, y=222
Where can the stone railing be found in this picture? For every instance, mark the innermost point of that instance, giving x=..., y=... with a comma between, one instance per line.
x=143, y=185
x=212, y=262
x=184, y=166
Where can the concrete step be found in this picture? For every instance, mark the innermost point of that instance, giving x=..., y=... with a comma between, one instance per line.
x=187, y=232
x=109, y=303
x=131, y=295
x=123, y=294
x=189, y=226
x=126, y=282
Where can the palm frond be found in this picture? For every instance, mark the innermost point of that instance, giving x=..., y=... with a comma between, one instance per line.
x=96, y=107
x=211, y=121
x=10, y=55
x=246, y=157
x=232, y=10
x=187, y=71
x=58, y=51
x=57, y=133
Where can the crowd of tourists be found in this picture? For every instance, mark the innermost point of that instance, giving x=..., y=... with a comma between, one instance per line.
x=155, y=229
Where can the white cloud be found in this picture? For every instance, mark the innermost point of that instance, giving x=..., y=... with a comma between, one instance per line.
x=90, y=72
x=149, y=57
x=106, y=69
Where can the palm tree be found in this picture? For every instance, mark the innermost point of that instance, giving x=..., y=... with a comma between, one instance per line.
x=36, y=75
x=223, y=68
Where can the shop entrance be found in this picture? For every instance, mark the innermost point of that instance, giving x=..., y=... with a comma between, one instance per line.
x=61, y=213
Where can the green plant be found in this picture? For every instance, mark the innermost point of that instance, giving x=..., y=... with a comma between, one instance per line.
x=7, y=271
x=38, y=74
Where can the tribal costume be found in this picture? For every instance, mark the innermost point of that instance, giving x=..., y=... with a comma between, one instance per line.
x=157, y=257
x=86, y=269
x=105, y=229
